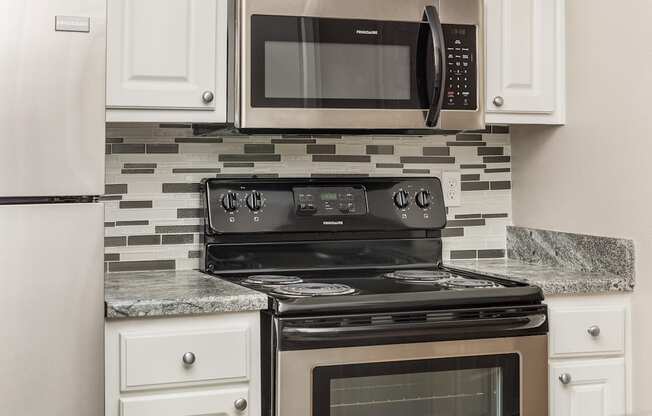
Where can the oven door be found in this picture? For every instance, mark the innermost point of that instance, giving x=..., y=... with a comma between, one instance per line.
x=457, y=362
x=489, y=377
x=341, y=64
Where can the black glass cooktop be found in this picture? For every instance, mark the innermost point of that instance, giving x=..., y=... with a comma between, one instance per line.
x=364, y=290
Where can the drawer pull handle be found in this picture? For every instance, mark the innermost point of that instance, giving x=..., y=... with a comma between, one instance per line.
x=594, y=331
x=565, y=379
x=189, y=358
x=240, y=404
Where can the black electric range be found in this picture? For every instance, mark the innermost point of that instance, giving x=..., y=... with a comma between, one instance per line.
x=362, y=314
x=324, y=246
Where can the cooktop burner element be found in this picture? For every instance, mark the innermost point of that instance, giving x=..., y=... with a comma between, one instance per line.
x=464, y=283
x=314, y=289
x=426, y=276
x=272, y=280
x=440, y=277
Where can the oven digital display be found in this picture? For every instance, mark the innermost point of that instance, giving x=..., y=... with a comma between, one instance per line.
x=330, y=201
x=328, y=196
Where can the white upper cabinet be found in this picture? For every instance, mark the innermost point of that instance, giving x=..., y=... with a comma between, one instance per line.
x=167, y=60
x=525, y=61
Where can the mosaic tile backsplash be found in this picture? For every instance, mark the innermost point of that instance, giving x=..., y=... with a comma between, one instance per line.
x=153, y=206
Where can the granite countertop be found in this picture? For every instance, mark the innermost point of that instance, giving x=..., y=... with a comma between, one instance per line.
x=175, y=293
x=559, y=263
x=553, y=280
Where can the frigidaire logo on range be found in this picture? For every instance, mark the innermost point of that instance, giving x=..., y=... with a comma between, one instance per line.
x=333, y=223
x=366, y=32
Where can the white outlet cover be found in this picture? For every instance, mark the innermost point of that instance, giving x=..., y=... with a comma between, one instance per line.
x=451, y=183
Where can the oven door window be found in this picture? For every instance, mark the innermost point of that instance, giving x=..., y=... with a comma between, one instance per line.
x=464, y=386
x=305, y=62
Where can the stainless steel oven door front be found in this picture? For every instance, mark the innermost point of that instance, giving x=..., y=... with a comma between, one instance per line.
x=363, y=64
x=487, y=377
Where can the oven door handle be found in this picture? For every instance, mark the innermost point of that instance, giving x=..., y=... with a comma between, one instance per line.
x=452, y=327
x=431, y=16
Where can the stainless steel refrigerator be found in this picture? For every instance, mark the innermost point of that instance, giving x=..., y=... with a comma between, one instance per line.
x=52, y=70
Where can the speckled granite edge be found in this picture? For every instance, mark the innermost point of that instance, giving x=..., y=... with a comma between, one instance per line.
x=576, y=252
x=175, y=293
x=553, y=281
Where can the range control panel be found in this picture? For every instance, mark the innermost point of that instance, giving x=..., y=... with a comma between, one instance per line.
x=314, y=205
x=461, y=60
x=328, y=201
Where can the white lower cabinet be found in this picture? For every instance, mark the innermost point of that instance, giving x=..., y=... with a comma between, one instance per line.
x=208, y=403
x=200, y=365
x=588, y=387
x=589, y=347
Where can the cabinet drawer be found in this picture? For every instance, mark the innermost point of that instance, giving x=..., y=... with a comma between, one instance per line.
x=214, y=403
x=573, y=331
x=155, y=359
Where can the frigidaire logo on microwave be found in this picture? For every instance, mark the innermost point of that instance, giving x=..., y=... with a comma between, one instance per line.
x=366, y=32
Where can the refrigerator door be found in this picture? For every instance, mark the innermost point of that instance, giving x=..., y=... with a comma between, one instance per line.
x=51, y=310
x=52, y=68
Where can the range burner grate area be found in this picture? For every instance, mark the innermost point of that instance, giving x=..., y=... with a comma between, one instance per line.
x=314, y=289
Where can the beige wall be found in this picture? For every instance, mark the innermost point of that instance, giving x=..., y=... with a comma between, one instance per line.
x=594, y=175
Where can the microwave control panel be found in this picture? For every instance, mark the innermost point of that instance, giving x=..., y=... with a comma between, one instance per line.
x=461, y=91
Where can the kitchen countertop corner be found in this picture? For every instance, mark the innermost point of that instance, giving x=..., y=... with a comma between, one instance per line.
x=552, y=280
x=175, y=293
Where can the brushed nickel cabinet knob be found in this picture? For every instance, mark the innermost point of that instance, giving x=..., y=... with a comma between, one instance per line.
x=565, y=379
x=189, y=358
x=208, y=97
x=240, y=404
x=594, y=331
x=499, y=101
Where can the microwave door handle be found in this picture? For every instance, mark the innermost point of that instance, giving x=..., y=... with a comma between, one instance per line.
x=432, y=17
x=511, y=324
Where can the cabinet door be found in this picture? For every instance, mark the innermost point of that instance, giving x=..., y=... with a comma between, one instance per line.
x=164, y=54
x=209, y=403
x=594, y=388
x=522, y=55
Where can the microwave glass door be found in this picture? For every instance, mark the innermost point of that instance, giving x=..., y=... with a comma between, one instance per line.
x=460, y=386
x=308, y=62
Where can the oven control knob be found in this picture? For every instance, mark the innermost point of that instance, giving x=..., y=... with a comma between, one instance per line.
x=230, y=202
x=402, y=199
x=255, y=201
x=423, y=199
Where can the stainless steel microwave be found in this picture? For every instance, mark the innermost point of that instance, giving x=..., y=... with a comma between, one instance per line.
x=358, y=64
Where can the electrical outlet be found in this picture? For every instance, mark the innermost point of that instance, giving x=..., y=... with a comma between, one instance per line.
x=451, y=183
